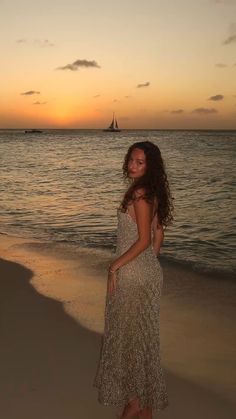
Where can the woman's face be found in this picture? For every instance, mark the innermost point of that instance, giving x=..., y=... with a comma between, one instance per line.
x=137, y=164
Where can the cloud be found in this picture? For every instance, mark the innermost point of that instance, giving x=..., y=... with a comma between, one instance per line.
x=79, y=63
x=177, y=111
x=115, y=100
x=221, y=65
x=43, y=43
x=143, y=85
x=39, y=103
x=202, y=111
x=96, y=96
x=216, y=97
x=230, y=40
x=21, y=41
x=232, y=35
x=38, y=42
x=128, y=97
x=30, y=92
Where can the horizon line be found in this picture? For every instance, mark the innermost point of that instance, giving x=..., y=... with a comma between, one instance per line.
x=126, y=129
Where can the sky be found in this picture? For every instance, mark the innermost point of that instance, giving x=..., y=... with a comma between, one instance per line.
x=157, y=64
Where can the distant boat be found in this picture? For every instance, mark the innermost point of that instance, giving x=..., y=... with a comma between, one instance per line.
x=33, y=131
x=113, y=127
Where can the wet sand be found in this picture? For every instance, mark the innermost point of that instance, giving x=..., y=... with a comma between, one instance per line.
x=48, y=360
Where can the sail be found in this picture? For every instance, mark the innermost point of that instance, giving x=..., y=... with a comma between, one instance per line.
x=112, y=124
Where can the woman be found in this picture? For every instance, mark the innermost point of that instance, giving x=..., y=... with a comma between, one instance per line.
x=129, y=373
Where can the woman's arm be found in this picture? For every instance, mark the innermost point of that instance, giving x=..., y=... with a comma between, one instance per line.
x=158, y=239
x=158, y=235
x=143, y=214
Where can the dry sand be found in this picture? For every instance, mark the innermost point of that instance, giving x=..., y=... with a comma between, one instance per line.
x=48, y=360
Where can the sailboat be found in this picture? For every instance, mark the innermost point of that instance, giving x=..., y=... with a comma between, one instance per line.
x=113, y=127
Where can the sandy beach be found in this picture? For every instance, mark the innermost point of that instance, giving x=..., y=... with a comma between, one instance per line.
x=49, y=356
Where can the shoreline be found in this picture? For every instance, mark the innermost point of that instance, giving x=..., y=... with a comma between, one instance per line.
x=49, y=358
x=166, y=261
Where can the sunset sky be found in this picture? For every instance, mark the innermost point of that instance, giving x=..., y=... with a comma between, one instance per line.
x=156, y=63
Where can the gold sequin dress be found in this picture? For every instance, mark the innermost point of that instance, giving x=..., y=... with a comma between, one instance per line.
x=129, y=362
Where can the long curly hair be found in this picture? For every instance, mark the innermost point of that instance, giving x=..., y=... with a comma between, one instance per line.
x=154, y=182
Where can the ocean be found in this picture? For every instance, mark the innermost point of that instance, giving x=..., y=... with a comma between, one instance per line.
x=63, y=187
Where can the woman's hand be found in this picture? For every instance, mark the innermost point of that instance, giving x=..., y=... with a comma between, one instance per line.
x=111, y=282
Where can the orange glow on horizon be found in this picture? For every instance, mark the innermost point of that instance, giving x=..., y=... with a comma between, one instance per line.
x=156, y=67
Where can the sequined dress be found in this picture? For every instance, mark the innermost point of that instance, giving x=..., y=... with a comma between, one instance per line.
x=129, y=363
